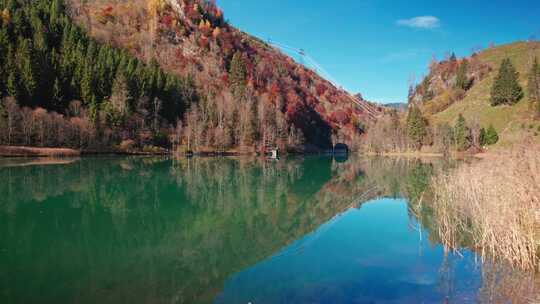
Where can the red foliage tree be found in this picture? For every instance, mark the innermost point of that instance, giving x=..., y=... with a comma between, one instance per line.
x=341, y=117
x=321, y=89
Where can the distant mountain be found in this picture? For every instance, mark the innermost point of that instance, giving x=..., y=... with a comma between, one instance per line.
x=400, y=106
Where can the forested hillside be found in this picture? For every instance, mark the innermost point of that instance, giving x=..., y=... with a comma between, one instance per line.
x=169, y=73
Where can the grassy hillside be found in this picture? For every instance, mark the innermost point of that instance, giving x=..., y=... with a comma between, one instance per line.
x=513, y=123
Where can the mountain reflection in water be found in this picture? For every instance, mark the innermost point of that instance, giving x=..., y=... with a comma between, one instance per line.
x=226, y=230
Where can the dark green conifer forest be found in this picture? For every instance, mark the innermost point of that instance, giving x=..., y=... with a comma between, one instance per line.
x=48, y=62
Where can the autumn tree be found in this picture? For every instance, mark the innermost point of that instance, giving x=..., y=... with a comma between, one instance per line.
x=475, y=130
x=443, y=138
x=11, y=109
x=506, y=88
x=248, y=121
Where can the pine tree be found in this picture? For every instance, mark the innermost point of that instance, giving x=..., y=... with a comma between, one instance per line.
x=461, y=134
x=237, y=74
x=120, y=95
x=87, y=87
x=506, y=88
x=453, y=58
x=25, y=62
x=55, y=10
x=57, y=94
x=12, y=85
x=462, y=80
x=416, y=127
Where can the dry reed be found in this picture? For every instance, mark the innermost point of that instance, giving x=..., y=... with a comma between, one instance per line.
x=493, y=206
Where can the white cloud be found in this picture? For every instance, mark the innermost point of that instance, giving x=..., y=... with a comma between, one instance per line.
x=421, y=22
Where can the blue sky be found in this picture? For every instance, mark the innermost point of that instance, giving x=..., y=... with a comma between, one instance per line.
x=375, y=46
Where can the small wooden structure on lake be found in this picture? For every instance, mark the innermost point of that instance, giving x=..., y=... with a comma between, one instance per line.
x=272, y=152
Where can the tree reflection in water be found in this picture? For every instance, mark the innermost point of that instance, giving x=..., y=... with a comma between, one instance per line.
x=159, y=230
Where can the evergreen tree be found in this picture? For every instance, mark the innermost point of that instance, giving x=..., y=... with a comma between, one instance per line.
x=57, y=94
x=461, y=134
x=27, y=69
x=12, y=85
x=453, y=57
x=416, y=127
x=47, y=61
x=462, y=80
x=238, y=74
x=87, y=87
x=506, y=88
x=119, y=100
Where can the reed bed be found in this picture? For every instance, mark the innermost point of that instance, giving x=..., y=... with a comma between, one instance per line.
x=493, y=206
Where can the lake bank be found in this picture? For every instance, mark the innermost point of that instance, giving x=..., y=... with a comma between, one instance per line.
x=30, y=151
x=24, y=151
x=21, y=151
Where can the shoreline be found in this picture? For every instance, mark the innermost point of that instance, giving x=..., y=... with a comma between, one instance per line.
x=29, y=151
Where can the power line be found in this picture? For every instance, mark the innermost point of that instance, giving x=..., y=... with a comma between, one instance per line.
x=317, y=68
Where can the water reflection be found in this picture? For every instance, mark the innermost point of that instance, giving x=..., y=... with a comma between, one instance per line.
x=366, y=256
x=154, y=230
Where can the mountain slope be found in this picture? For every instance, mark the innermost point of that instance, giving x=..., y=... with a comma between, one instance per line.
x=190, y=37
x=513, y=123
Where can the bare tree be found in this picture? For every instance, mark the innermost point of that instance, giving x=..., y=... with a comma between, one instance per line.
x=474, y=126
x=12, y=111
x=157, y=108
x=40, y=117
x=177, y=135
x=27, y=124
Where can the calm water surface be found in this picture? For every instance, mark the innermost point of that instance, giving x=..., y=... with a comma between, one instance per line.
x=208, y=230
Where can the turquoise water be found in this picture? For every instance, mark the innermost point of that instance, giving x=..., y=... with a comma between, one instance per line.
x=365, y=255
x=216, y=230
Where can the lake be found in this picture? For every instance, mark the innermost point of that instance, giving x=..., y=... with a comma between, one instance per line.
x=231, y=230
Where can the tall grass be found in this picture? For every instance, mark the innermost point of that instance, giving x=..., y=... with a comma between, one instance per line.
x=493, y=206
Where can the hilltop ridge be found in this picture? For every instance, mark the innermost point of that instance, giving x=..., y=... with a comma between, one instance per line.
x=148, y=74
x=191, y=37
x=514, y=123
